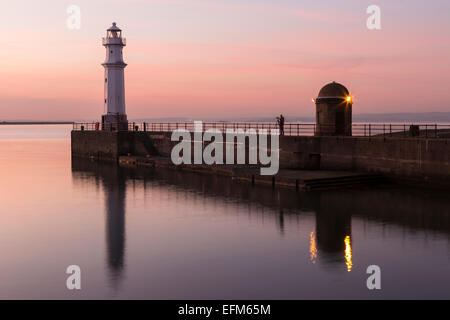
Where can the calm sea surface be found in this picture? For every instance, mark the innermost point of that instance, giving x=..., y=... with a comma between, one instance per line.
x=165, y=234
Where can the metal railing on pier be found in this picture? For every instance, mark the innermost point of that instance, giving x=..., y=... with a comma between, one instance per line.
x=290, y=129
x=121, y=40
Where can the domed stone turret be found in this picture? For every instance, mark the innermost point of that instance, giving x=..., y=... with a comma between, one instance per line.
x=334, y=111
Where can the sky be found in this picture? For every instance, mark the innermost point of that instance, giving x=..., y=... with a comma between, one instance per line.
x=224, y=58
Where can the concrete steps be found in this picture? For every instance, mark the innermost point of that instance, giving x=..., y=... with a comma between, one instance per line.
x=309, y=180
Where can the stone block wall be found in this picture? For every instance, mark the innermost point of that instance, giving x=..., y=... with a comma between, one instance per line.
x=411, y=158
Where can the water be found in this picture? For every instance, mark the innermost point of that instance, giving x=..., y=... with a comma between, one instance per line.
x=166, y=234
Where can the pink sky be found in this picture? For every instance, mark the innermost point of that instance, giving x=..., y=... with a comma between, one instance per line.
x=224, y=58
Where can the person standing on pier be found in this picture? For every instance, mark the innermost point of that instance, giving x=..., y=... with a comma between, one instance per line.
x=280, y=121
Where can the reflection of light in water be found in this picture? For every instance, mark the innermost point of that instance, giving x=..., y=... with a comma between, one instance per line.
x=312, y=247
x=348, y=253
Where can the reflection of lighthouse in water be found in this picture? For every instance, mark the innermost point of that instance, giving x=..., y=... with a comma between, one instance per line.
x=112, y=180
x=115, y=224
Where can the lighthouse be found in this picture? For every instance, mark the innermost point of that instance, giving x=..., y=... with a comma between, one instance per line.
x=114, y=99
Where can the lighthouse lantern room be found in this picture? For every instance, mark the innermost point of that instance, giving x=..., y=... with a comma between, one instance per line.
x=114, y=98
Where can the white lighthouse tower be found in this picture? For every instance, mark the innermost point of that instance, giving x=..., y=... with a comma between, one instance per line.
x=116, y=117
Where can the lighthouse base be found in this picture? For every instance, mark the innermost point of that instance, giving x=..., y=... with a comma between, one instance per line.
x=114, y=122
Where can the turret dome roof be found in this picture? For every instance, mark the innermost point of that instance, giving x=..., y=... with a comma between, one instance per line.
x=333, y=90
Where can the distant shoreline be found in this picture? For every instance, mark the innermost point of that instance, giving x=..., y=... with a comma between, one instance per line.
x=34, y=122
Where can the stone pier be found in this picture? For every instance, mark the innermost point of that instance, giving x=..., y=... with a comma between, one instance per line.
x=413, y=160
